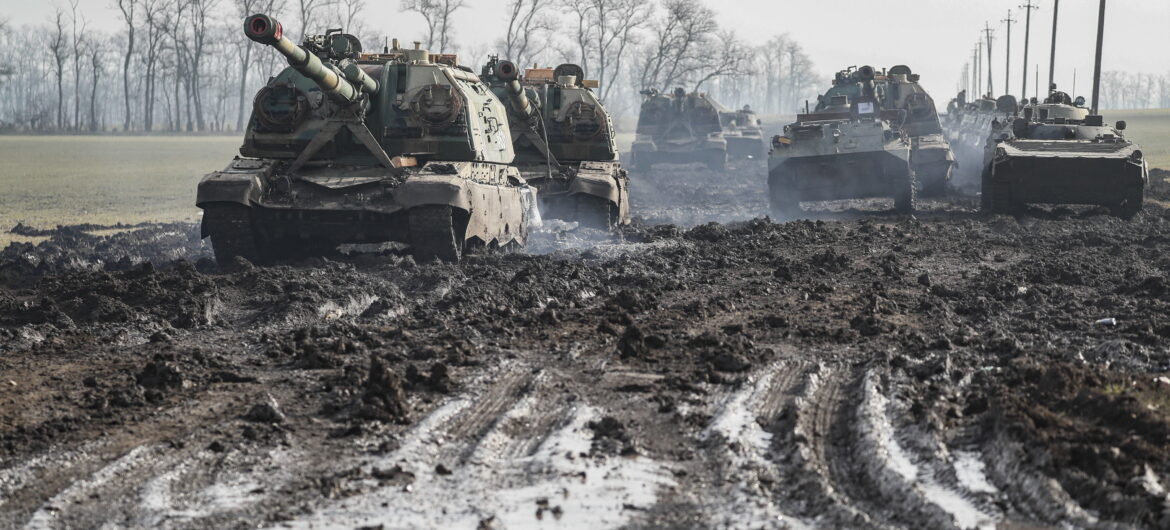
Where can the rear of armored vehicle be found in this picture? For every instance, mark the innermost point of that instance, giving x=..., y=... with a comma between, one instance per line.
x=1069, y=158
x=416, y=152
x=845, y=149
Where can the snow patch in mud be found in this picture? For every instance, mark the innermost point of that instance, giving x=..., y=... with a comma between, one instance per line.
x=555, y=485
x=353, y=307
x=80, y=490
x=969, y=469
x=56, y=461
x=736, y=428
x=877, y=433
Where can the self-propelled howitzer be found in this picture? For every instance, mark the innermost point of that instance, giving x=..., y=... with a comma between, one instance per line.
x=346, y=147
x=565, y=142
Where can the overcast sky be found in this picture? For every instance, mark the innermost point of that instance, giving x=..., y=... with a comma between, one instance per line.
x=933, y=37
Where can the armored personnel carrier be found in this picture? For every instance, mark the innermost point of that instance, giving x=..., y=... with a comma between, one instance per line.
x=851, y=146
x=931, y=157
x=743, y=132
x=679, y=128
x=969, y=127
x=346, y=147
x=1057, y=152
x=564, y=141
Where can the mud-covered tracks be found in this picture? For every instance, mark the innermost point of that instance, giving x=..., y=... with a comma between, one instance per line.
x=514, y=448
x=807, y=444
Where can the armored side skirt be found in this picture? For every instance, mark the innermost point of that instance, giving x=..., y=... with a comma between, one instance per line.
x=838, y=177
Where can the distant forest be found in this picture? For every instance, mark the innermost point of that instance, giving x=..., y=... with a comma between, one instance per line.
x=185, y=65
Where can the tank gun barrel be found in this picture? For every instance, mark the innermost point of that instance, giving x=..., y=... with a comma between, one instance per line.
x=344, y=83
x=508, y=73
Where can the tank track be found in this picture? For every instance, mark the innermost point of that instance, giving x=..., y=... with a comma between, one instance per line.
x=230, y=228
x=594, y=212
x=433, y=235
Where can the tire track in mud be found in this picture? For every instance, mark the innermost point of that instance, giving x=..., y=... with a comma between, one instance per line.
x=515, y=453
x=741, y=449
x=166, y=478
x=835, y=456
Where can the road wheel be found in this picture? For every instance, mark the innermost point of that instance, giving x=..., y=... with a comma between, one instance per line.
x=594, y=212
x=433, y=234
x=906, y=197
x=229, y=226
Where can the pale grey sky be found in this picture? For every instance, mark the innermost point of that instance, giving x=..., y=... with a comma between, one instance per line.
x=934, y=37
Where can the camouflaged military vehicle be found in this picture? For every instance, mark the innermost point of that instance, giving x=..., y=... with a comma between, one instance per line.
x=564, y=141
x=346, y=147
x=969, y=126
x=851, y=146
x=678, y=128
x=931, y=157
x=1057, y=152
x=743, y=131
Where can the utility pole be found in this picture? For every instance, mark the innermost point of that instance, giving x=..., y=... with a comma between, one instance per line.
x=1028, y=7
x=1097, y=63
x=1007, y=78
x=979, y=68
x=990, y=86
x=1052, y=58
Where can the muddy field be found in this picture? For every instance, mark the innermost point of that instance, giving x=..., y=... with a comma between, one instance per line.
x=860, y=370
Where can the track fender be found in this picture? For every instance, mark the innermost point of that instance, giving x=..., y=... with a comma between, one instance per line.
x=233, y=187
x=449, y=190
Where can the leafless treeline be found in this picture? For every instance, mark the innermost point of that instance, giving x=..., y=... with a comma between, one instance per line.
x=183, y=65
x=1124, y=90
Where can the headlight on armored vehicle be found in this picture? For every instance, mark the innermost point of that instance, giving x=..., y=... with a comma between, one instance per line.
x=1136, y=155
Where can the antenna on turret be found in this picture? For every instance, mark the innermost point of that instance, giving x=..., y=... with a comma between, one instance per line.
x=386, y=45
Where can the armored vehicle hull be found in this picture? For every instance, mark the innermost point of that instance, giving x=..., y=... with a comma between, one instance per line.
x=933, y=162
x=840, y=160
x=1045, y=172
x=852, y=147
x=346, y=147
x=1058, y=153
x=679, y=128
x=253, y=210
x=741, y=129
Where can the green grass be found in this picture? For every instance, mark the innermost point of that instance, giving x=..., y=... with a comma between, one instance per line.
x=47, y=181
x=1150, y=128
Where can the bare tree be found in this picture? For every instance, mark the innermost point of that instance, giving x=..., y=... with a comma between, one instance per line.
x=78, y=46
x=351, y=15
x=153, y=10
x=528, y=32
x=729, y=62
x=438, y=16
x=97, y=67
x=605, y=28
x=127, y=9
x=57, y=46
x=244, y=47
x=307, y=9
x=199, y=17
x=681, y=45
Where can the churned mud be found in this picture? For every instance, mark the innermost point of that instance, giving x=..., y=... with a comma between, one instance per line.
x=861, y=370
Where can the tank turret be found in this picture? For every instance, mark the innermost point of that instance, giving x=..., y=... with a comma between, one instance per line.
x=344, y=82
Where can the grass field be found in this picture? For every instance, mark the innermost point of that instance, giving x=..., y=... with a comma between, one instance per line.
x=47, y=181
x=1150, y=128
